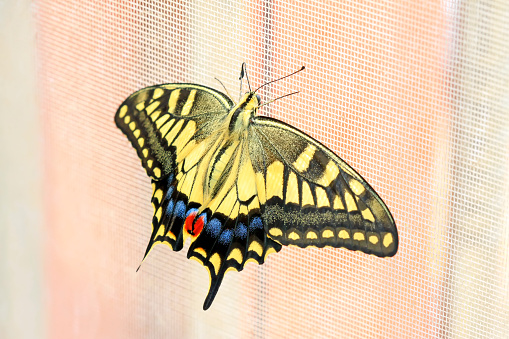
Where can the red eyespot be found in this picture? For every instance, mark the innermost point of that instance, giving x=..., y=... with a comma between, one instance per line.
x=188, y=224
x=194, y=226
x=198, y=225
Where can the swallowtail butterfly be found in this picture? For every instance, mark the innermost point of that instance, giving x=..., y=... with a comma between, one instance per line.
x=240, y=185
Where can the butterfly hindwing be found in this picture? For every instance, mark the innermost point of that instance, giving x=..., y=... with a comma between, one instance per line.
x=233, y=234
x=315, y=198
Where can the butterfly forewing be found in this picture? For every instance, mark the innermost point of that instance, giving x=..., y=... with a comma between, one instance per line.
x=161, y=120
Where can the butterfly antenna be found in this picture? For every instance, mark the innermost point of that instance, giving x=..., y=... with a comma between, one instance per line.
x=281, y=97
x=243, y=72
x=286, y=76
x=228, y=93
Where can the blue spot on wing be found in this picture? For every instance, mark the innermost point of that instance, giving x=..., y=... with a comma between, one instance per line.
x=192, y=210
x=256, y=223
x=226, y=237
x=169, y=192
x=180, y=209
x=204, y=218
x=214, y=227
x=170, y=179
x=241, y=231
x=169, y=208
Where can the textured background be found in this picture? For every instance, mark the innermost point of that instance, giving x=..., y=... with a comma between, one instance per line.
x=22, y=314
x=412, y=94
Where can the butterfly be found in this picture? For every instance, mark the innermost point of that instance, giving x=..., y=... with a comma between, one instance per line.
x=240, y=185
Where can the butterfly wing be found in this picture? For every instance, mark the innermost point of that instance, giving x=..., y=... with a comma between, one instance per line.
x=178, y=131
x=229, y=232
x=312, y=197
x=165, y=122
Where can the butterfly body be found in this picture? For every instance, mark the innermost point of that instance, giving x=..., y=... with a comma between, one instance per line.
x=241, y=185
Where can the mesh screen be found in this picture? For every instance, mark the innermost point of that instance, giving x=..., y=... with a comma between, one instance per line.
x=413, y=94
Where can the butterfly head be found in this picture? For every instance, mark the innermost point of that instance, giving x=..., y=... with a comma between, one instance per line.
x=250, y=101
x=242, y=113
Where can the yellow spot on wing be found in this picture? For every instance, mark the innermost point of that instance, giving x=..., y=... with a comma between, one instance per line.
x=157, y=93
x=173, y=132
x=145, y=153
x=388, y=240
x=338, y=204
x=356, y=187
x=292, y=189
x=236, y=255
x=150, y=162
x=373, y=239
x=122, y=112
x=154, y=116
x=172, y=102
x=327, y=234
x=158, y=195
x=166, y=127
x=127, y=119
x=366, y=214
x=331, y=172
x=160, y=231
x=321, y=198
x=162, y=120
x=159, y=213
x=243, y=210
x=343, y=234
x=171, y=235
x=140, y=106
x=137, y=133
x=157, y=172
x=276, y=232
x=293, y=236
x=270, y=250
x=141, y=142
x=231, y=268
x=150, y=108
x=350, y=203
x=201, y=251
x=189, y=103
x=132, y=126
x=274, y=182
x=252, y=260
x=311, y=235
x=186, y=134
x=358, y=236
x=302, y=162
x=256, y=247
x=215, y=260
x=307, y=197
x=255, y=204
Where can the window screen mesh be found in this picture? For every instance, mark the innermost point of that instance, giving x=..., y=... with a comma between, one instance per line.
x=413, y=94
